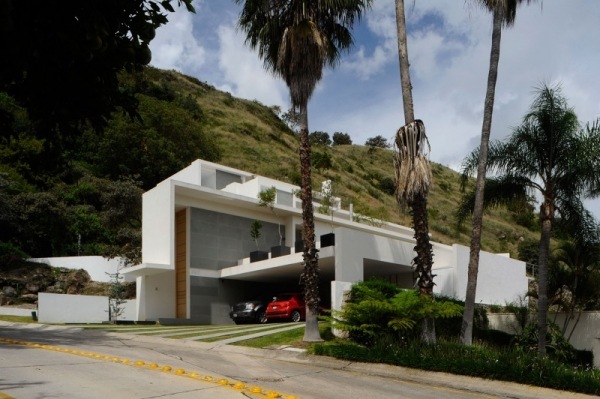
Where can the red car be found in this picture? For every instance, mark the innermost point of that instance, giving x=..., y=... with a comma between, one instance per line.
x=288, y=305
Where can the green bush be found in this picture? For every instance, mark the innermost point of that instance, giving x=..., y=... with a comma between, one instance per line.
x=10, y=255
x=557, y=346
x=388, y=185
x=379, y=313
x=486, y=362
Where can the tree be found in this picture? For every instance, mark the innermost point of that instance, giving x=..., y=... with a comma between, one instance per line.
x=321, y=160
x=340, y=138
x=60, y=60
x=296, y=40
x=267, y=198
x=413, y=175
x=292, y=119
x=504, y=13
x=574, y=275
x=319, y=138
x=377, y=142
x=551, y=154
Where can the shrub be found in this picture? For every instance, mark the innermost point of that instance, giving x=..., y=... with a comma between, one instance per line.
x=504, y=364
x=10, y=255
x=377, y=142
x=341, y=139
x=377, y=312
x=557, y=346
x=388, y=185
x=321, y=160
x=319, y=138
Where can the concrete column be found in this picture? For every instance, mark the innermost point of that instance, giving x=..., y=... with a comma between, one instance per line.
x=140, y=293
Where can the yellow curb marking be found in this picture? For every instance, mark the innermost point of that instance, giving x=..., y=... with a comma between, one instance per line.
x=223, y=382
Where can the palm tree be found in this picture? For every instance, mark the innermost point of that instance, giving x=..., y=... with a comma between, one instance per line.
x=296, y=39
x=551, y=154
x=504, y=13
x=413, y=173
x=575, y=267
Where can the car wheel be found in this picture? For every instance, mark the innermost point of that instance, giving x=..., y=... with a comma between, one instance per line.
x=295, y=316
x=261, y=317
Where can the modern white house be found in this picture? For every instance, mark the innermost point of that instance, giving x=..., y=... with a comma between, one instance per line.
x=196, y=246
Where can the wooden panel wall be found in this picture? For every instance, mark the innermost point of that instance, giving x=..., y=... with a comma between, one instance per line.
x=181, y=263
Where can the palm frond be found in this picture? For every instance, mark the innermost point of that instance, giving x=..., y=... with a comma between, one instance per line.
x=411, y=162
x=507, y=8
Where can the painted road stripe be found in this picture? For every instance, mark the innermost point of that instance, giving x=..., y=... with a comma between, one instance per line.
x=222, y=382
x=5, y=396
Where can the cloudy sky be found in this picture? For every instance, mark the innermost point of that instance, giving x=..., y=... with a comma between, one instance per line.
x=552, y=42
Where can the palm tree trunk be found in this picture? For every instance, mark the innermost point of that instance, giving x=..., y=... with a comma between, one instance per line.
x=424, y=259
x=407, y=99
x=423, y=248
x=466, y=332
x=310, y=273
x=546, y=213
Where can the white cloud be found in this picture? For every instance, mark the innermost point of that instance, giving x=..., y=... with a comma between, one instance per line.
x=244, y=73
x=175, y=46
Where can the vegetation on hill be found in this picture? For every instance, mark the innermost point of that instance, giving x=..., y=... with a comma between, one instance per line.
x=83, y=197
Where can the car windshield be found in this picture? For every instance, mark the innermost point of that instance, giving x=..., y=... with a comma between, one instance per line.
x=282, y=297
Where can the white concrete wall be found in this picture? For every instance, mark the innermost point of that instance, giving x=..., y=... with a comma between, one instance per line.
x=445, y=283
x=352, y=246
x=191, y=174
x=9, y=311
x=158, y=225
x=586, y=331
x=158, y=298
x=500, y=279
x=62, y=308
x=96, y=266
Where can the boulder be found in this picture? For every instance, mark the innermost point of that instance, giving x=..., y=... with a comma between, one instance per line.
x=29, y=298
x=9, y=291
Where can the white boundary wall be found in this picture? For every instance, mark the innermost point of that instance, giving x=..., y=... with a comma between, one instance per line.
x=586, y=331
x=63, y=308
x=9, y=311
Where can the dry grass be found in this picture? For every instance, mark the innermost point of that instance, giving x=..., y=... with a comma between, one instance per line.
x=254, y=139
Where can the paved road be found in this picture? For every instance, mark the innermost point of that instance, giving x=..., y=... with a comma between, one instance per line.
x=110, y=367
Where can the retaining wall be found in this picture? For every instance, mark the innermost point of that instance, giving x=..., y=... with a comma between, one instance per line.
x=63, y=308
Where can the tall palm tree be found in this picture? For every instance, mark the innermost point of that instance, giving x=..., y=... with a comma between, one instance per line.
x=551, y=154
x=413, y=173
x=296, y=39
x=504, y=13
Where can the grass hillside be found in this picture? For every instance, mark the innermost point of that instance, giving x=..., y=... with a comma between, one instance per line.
x=252, y=137
x=83, y=195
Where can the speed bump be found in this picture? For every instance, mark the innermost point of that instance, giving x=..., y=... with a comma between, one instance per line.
x=222, y=382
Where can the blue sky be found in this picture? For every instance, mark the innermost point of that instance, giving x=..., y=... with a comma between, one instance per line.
x=554, y=41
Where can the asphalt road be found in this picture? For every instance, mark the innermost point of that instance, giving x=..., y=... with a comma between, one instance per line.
x=38, y=361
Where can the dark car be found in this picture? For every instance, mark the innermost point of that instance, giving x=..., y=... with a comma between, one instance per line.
x=288, y=306
x=249, y=312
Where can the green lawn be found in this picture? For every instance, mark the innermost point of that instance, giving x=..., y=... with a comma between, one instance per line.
x=17, y=319
x=290, y=337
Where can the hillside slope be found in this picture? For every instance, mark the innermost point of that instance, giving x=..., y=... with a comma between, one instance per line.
x=83, y=196
x=251, y=137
